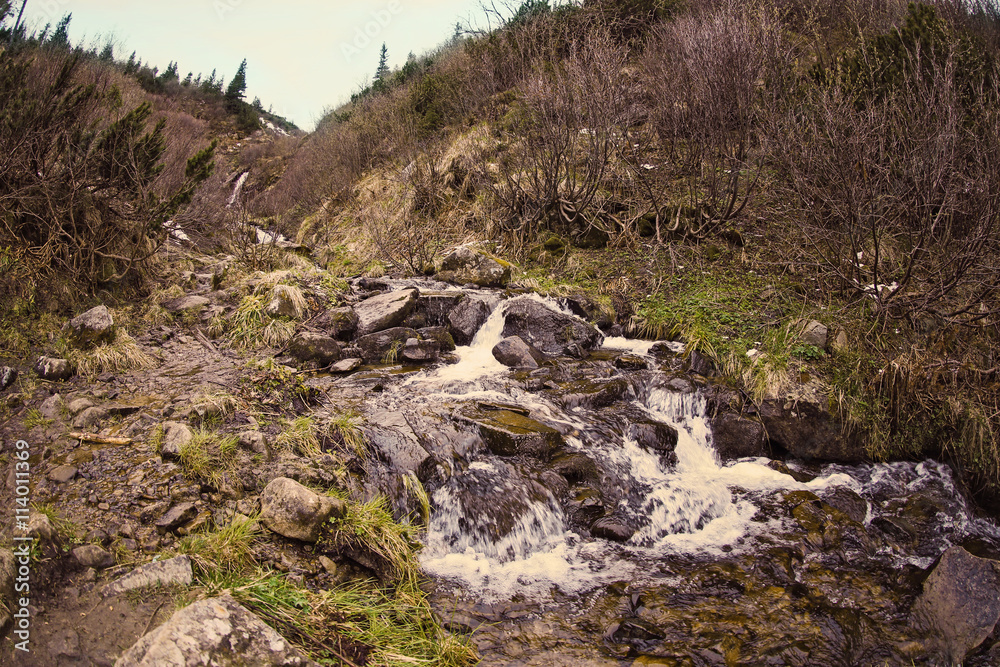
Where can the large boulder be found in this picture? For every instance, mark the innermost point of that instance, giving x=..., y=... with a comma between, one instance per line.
x=508, y=433
x=468, y=266
x=52, y=369
x=385, y=311
x=806, y=429
x=551, y=332
x=467, y=317
x=341, y=323
x=737, y=437
x=960, y=603
x=394, y=441
x=292, y=510
x=384, y=345
x=515, y=353
x=435, y=306
x=217, y=632
x=421, y=351
x=92, y=327
x=312, y=346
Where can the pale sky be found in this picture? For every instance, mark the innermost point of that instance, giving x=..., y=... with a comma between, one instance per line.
x=302, y=55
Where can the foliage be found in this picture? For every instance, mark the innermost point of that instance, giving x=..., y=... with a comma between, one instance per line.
x=208, y=457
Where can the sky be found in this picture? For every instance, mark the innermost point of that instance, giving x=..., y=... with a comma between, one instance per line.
x=303, y=56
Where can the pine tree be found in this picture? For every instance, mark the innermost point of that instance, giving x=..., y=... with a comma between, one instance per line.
x=60, y=38
x=131, y=67
x=382, y=73
x=187, y=80
x=238, y=85
x=107, y=53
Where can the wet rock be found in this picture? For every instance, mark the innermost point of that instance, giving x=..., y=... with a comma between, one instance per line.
x=7, y=376
x=385, y=345
x=814, y=333
x=960, y=603
x=468, y=266
x=255, y=441
x=173, y=572
x=292, y=510
x=52, y=407
x=92, y=327
x=700, y=364
x=92, y=555
x=515, y=353
x=395, y=442
x=594, y=394
x=53, y=370
x=609, y=528
x=654, y=436
x=218, y=631
x=507, y=433
x=175, y=437
x=440, y=334
x=346, y=365
x=847, y=501
x=90, y=417
x=586, y=307
x=737, y=437
x=341, y=323
x=575, y=467
x=666, y=349
x=631, y=362
x=286, y=301
x=62, y=474
x=467, y=318
x=385, y=311
x=186, y=303
x=807, y=430
x=311, y=346
x=547, y=330
x=176, y=516
x=435, y=306
x=421, y=351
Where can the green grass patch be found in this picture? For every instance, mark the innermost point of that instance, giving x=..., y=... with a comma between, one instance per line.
x=299, y=435
x=208, y=456
x=33, y=418
x=251, y=327
x=346, y=427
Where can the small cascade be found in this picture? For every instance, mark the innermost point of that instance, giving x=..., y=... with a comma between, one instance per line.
x=238, y=188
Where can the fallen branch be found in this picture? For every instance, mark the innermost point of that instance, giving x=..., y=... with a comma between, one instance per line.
x=100, y=439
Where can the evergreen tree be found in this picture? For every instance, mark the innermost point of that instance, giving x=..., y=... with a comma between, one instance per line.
x=60, y=38
x=187, y=80
x=382, y=73
x=238, y=86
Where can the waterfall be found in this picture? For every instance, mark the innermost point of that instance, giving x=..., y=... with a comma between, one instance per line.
x=238, y=188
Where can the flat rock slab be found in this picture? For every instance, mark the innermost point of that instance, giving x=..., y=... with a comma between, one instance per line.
x=394, y=440
x=62, y=474
x=174, y=572
x=508, y=433
x=385, y=311
x=218, y=631
x=186, y=303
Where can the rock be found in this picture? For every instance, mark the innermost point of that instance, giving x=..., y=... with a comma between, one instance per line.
x=631, y=362
x=186, y=303
x=552, y=333
x=467, y=266
x=7, y=376
x=575, y=467
x=8, y=569
x=78, y=405
x=814, y=333
x=467, y=318
x=384, y=345
x=593, y=394
x=62, y=474
x=737, y=437
x=92, y=327
x=654, y=436
x=175, y=437
x=176, y=516
x=65, y=644
x=292, y=510
x=392, y=438
x=286, y=301
x=54, y=370
x=90, y=417
x=508, y=433
x=92, y=555
x=960, y=603
x=612, y=529
x=440, y=334
x=40, y=527
x=341, y=323
x=700, y=364
x=421, y=351
x=255, y=441
x=435, y=306
x=328, y=565
x=52, y=407
x=310, y=346
x=515, y=353
x=840, y=343
x=218, y=631
x=346, y=365
x=807, y=430
x=173, y=572
x=385, y=311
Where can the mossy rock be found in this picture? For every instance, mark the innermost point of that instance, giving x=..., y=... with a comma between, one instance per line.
x=508, y=433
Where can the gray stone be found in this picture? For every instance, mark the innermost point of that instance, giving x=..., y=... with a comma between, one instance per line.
x=255, y=441
x=286, y=301
x=631, y=362
x=508, y=433
x=310, y=346
x=175, y=436
x=808, y=430
x=173, y=572
x=341, y=323
x=186, y=303
x=40, y=527
x=421, y=351
x=62, y=474
x=7, y=376
x=92, y=327
x=78, y=405
x=292, y=510
x=814, y=333
x=841, y=343
x=392, y=438
x=654, y=436
x=90, y=417
x=960, y=603
x=176, y=516
x=594, y=394
x=468, y=266
x=385, y=311
x=346, y=365
x=379, y=346
x=466, y=319
x=737, y=437
x=609, y=528
x=217, y=632
x=54, y=370
x=439, y=334
x=52, y=407
x=515, y=353
x=435, y=306
x=92, y=555
x=551, y=332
